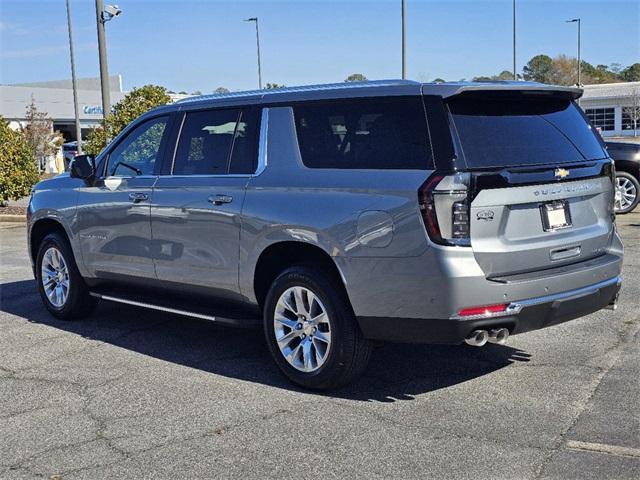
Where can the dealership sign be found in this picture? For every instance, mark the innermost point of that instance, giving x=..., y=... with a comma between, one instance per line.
x=92, y=110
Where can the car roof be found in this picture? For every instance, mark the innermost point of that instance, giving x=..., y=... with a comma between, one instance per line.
x=377, y=88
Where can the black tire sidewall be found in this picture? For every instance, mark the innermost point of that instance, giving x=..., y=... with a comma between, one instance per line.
x=78, y=301
x=635, y=181
x=341, y=322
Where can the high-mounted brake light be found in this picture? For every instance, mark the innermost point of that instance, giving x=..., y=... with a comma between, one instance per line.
x=444, y=205
x=486, y=310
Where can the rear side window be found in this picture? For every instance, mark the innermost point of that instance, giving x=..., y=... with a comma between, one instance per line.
x=205, y=142
x=378, y=133
x=501, y=130
x=217, y=142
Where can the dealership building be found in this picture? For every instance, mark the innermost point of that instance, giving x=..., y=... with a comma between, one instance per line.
x=606, y=105
x=56, y=99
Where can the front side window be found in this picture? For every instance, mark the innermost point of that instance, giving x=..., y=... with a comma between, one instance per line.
x=378, y=133
x=138, y=152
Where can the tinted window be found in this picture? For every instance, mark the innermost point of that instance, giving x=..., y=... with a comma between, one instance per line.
x=244, y=157
x=381, y=133
x=205, y=142
x=507, y=131
x=137, y=153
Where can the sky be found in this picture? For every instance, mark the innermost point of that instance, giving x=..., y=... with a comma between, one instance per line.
x=202, y=45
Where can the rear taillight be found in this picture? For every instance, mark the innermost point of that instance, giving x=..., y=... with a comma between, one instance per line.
x=444, y=204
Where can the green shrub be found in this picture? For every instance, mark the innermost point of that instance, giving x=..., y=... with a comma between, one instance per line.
x=18, y=170
x=137, y=102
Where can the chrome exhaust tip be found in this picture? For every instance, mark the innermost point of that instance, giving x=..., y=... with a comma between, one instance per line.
x=498, y=336
x=614, y=303
x=477, y=338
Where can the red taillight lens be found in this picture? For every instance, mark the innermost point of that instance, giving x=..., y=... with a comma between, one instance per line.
x=444, y=205
x=483, y=310
x=428, y=209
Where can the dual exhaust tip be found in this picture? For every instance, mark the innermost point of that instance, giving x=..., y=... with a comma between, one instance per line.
x=478, y=338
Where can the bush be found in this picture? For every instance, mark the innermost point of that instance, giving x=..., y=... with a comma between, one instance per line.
x=137, y=102
x=18, y=171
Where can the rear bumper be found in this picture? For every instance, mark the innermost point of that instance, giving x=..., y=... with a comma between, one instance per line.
x=522, y=316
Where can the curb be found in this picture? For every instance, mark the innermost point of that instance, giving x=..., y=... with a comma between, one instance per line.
x=13, y=218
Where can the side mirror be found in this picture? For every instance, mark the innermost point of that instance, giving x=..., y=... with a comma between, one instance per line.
x=83, y=166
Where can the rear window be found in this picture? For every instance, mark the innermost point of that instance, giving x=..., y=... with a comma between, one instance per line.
x=380, y=133
x=499, y=131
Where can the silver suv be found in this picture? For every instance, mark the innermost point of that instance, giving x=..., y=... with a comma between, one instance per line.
x=337, y=215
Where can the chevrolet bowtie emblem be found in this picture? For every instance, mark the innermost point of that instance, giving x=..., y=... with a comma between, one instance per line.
x=561, y=173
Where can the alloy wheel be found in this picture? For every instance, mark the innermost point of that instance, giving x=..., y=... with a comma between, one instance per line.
x=55, y=277
x=626, y=193
x=302, y=329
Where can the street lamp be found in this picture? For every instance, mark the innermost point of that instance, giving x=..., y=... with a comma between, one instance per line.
x=103, y=15
x=404, y=42
x=255, y=19
x=578, y=21
x=515, y=75
x=73, y=83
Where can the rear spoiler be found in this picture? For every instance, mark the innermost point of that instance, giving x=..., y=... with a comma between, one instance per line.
x=526, y=88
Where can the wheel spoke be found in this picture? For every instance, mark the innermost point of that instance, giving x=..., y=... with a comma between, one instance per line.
x=318, y=319
x=322, y=336
x=300, y=306
x=285, y=321
x=286, y=339
x=306, y=355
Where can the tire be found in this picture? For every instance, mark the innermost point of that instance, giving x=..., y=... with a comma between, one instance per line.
x=627, y=193
x=66, y=303
x=347, y=353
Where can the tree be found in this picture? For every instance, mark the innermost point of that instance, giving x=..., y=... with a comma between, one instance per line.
x=39, y=134
x=631, y=73
x=438, y=80
x=196, y=92
x=134, y=104
x=503, y=75
x=221, y=90
x=538, y=69
x=271, y=86
x=632, y=111
x=356, y=77
x=18, y=171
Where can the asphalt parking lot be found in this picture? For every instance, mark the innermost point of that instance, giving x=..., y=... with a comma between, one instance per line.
x=130, y=393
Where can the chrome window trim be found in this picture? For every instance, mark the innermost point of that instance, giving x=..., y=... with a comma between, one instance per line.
x=175, y=145
x=262, y=142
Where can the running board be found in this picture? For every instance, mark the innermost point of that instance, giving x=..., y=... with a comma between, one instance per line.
x=177, y=311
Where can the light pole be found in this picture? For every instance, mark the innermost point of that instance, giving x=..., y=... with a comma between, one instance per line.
x=103, y=15
x=574, y=20
x=515, y=75
x=73, y=83
x=255, y=19
x=404, y=41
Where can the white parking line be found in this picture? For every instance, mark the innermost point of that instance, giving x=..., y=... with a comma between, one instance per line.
x=604, y=448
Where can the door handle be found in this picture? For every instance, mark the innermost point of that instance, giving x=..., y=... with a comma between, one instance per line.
x=220, y=199
x=138, y=197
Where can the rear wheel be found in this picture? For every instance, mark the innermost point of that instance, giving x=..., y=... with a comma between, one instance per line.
x=311, y=330
x=60, y=284
x=627, y=193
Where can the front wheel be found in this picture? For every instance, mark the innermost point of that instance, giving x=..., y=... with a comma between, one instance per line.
x=311, y=330
x=627, y=193
x=60, y=284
